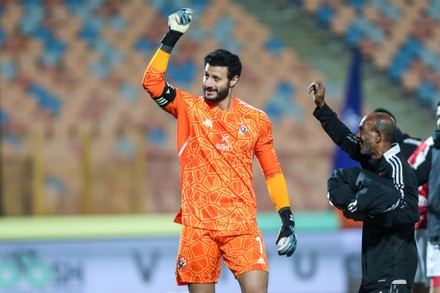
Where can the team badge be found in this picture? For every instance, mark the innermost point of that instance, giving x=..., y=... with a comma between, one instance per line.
x=242, y=129
x=181, y=262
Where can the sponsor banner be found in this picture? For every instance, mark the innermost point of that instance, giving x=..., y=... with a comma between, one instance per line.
x=327, y=262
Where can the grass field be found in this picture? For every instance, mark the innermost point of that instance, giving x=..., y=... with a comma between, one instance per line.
x=104, y=226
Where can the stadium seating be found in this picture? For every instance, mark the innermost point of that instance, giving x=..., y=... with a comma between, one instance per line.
x=394, y=34
x=72, y=102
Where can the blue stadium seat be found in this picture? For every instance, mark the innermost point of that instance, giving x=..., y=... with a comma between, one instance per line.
x=386, y=8
x=182, y=73
x=128, y=92
x=55, y=183
x=282, y=103
x=433, y=10
x=357, y=5
x=429, y=57
x=8, y=69
x=403, y=58
x=117, y=22
x=325, y=14
x=274, y=45
x=376, y=34
x=156, y=136
x=90, y=32
x=54, y=48
x=353, y=35
x=144, y=45
x=31, y=19
x=3, y=36
x=4, y=118
x=100, y=68
x=197, y=34
x=223, y=29
x=12, y=139
x=124, y=147
x=398, y=66
x=47, y=101
x=426, y=91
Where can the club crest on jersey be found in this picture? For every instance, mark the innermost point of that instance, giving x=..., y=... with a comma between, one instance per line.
x=181, y=262
x=242, y=129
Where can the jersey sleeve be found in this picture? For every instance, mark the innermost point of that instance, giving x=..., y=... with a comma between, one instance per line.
x=163, y=93
x=266, y=155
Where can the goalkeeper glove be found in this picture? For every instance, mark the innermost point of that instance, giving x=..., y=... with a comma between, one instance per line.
x=286, y=238
x=178, y=23
x=180, y=20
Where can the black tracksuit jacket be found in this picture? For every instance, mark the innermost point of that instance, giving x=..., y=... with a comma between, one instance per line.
x=389, y=250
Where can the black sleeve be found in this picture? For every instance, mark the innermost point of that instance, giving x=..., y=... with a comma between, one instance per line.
x=341, y=187
x=338, y=132
x=360, y=193
x=376, y=195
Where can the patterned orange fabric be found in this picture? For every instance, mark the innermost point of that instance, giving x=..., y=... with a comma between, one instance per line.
x=216, y=149
x=200, y=251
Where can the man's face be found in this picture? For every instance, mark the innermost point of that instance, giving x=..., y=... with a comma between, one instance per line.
x=367, y=135
x=216, y=85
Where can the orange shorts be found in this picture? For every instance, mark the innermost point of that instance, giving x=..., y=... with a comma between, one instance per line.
x=200, y=253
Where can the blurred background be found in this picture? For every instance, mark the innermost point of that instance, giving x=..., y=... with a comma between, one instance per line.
x=89, y=168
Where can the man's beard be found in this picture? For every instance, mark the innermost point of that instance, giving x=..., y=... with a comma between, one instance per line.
x=365, y=148
x=221, y=95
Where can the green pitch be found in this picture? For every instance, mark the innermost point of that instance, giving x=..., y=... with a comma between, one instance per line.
x=122, y=226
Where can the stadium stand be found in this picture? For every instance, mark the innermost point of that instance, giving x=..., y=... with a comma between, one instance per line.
x=400, y=37
x=79, y=134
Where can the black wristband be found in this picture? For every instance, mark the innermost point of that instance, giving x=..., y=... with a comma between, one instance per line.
x=286, y=215
x=171, y=37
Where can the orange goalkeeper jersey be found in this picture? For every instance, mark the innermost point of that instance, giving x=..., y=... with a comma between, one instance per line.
x=216, y=150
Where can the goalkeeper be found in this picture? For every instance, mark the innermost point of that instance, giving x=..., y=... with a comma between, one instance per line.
x=217, y=137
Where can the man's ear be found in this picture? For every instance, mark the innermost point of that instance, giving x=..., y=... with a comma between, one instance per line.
x=234, y=81
x=379, y=136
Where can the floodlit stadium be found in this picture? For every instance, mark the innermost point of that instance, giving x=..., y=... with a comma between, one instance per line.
x=90, y=176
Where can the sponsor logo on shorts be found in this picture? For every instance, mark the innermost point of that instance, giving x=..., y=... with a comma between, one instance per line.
x=181, y=262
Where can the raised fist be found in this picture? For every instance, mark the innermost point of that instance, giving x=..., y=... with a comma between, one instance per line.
x=180, y=20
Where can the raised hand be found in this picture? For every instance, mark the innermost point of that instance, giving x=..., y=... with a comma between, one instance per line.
x=180, y=20
x=317, y=89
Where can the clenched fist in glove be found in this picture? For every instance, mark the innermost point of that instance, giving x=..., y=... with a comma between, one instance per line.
x=178, y=23
x=286, y=238
x=180, y=20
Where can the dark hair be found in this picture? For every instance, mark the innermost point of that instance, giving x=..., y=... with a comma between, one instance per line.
x=222, y=57
x=383, y=110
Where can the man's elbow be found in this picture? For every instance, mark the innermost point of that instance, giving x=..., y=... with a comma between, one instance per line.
x=152, y=84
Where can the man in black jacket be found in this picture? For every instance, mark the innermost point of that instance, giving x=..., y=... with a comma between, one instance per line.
x=389, y=252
